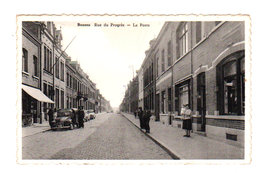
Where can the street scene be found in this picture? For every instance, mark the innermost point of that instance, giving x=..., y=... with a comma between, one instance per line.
x=133, y=90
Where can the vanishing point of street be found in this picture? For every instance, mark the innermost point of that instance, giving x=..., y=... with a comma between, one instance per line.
x=109, y=136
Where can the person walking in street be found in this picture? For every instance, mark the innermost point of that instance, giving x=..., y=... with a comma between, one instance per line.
x=140, y=115
x=146, y=120
x=50, y=114
x=187, y=125
x=81, y=117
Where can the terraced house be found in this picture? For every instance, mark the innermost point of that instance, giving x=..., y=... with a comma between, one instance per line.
x=200, y=64
x=49, y=77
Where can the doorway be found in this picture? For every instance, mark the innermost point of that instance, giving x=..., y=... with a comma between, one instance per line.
x=201, y=99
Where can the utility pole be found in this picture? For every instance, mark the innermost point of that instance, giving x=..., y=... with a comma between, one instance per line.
x=52, y=68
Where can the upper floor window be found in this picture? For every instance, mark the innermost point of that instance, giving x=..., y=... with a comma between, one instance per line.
x=157, y=66
x=169, y=53
x=35, y=65
x=163, y=61
x=198, y=31
x=57, y=67
x=25, y=60
x=68, y=79
x=182, y=39
x=62, y=71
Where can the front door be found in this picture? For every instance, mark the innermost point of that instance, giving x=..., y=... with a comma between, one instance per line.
x=201, y=99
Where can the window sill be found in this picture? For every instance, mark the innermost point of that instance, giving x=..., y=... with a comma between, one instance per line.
x=25, y=73
x=35, y=77
x=226, y=117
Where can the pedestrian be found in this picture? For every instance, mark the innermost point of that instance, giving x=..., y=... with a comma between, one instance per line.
x=81, y=117
x=146, y=119
x=187, y=125
x=135, y=112
x=50, y=114
x=140, y=115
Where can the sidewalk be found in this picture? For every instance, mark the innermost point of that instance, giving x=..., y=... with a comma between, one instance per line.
x=195, y=147
x=35, y=128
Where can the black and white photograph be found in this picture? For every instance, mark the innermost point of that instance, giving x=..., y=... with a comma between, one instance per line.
x=146, y=88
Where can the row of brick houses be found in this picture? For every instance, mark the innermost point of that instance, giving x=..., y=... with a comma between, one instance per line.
x=201, y=64
x=50, y=78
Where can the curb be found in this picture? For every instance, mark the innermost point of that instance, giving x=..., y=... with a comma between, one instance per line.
x=42, y=131
x=173, y=156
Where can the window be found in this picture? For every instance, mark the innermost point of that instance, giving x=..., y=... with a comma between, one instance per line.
x=62, y=71
x=45, y=58
x=198, y=31
x=170, y=99
x=50, y=61
x=68, y=79
x=62, y=99
x=163, y=61
x=35, y=65
x=231, y=84
x=45, y=89
x=57, y=67
x=157, y=66
x=25, y=60
x=162, y=101
x=182, y=39
x=182, y=95
x=169, y=53
x=57, y=98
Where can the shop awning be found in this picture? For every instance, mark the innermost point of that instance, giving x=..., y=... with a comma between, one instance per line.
x=37, y=94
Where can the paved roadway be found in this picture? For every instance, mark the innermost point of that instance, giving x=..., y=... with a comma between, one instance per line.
x=109, y=136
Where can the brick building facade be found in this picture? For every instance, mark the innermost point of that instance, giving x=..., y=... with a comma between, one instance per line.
x=202, y=65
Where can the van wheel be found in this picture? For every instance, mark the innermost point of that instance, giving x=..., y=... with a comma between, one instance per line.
x=71, y=126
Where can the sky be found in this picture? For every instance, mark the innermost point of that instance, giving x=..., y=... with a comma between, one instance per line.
x=109, y=55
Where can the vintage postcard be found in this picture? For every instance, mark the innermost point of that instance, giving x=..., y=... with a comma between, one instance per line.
x=133, y=89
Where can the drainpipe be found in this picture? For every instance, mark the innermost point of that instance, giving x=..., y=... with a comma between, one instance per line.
x=191, y=67
x=40, y=71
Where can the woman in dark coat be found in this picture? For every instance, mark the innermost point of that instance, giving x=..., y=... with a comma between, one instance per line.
x=140, y=115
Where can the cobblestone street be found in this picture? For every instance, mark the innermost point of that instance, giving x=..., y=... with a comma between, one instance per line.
x=109, y=136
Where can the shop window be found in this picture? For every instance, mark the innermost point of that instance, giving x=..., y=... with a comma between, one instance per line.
x=182, y=95
x=231, y=84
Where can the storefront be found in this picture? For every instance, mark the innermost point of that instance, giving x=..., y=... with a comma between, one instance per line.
x=31, y=98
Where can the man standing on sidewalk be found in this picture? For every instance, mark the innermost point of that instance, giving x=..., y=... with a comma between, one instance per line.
x=50, y=114
x=140, y=115
x=146, y=120
x=81, y=116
